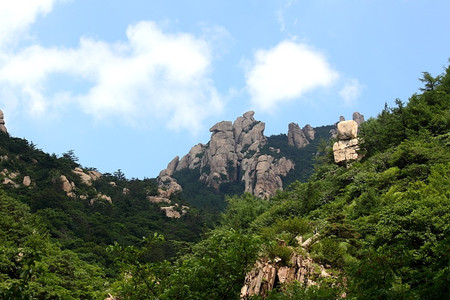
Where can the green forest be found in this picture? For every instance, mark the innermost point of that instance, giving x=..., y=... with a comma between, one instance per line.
x=379, y=228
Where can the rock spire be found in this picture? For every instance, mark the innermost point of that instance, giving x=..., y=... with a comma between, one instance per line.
x=347, y=147
x=2, y=122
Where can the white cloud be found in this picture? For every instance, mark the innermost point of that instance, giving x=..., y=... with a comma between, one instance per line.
x=17, y=15
x=351, y=91
x=286, y=72
x=152, y=77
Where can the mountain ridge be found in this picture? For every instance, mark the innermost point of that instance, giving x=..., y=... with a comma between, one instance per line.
x=238, y=153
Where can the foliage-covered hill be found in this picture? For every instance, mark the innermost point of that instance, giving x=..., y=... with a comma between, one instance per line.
x=380, y=226
x=86, y=223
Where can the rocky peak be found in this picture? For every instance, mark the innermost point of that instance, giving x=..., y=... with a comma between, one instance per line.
x=296, y=137
x=248, y=131
x=2, y=122
x=171, y=167
x=358, y=118
x=309, y=132
x=191, y=160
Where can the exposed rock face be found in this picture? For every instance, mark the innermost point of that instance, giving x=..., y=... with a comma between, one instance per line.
x=267, y=273
x=89, y=177
x=347, y=130
x=94, y=175
x=309, y=132
x=358, y=118
x=266, y=172
x=8, y=181
x=296, y=137
x=233, y=154
x=26, y=180
x=156, y=199
x=2, y=122
x=172, y=211
x=100, y=196
x=169, y=185
x=67, y=186
x=346, y=149
x=171, y=167
x=333, y=133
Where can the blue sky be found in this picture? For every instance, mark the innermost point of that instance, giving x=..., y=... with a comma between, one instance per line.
x=131, y=84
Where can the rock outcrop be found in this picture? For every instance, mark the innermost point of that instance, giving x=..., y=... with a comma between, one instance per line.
x=2, y=122
x=347, y=147
x=26, y=180
x=347, y=130
x=309, y=132
x=233, y=154
x=267, y=273
x=358, y=118
x=296, y=137
x=265, y=172
x=175, y=211
x=100, y=196
x=87, y=178
x=67, y=186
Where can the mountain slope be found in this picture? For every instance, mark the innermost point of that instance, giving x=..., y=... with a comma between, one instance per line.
x=371, y=229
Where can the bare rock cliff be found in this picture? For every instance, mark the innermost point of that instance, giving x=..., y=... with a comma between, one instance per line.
x=267, y=273
x=234, y=154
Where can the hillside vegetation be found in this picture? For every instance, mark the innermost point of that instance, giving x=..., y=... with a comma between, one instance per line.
x=380, y=226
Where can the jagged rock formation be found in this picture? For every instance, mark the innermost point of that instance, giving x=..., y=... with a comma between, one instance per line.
x=266, y=172
x=237, y=152
x=2, y=122
x=347, y=148
x=309, y=132
x=296, y=137
x=358, y=118
x=268, y=274
x=233, y=154
x=300, y=137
